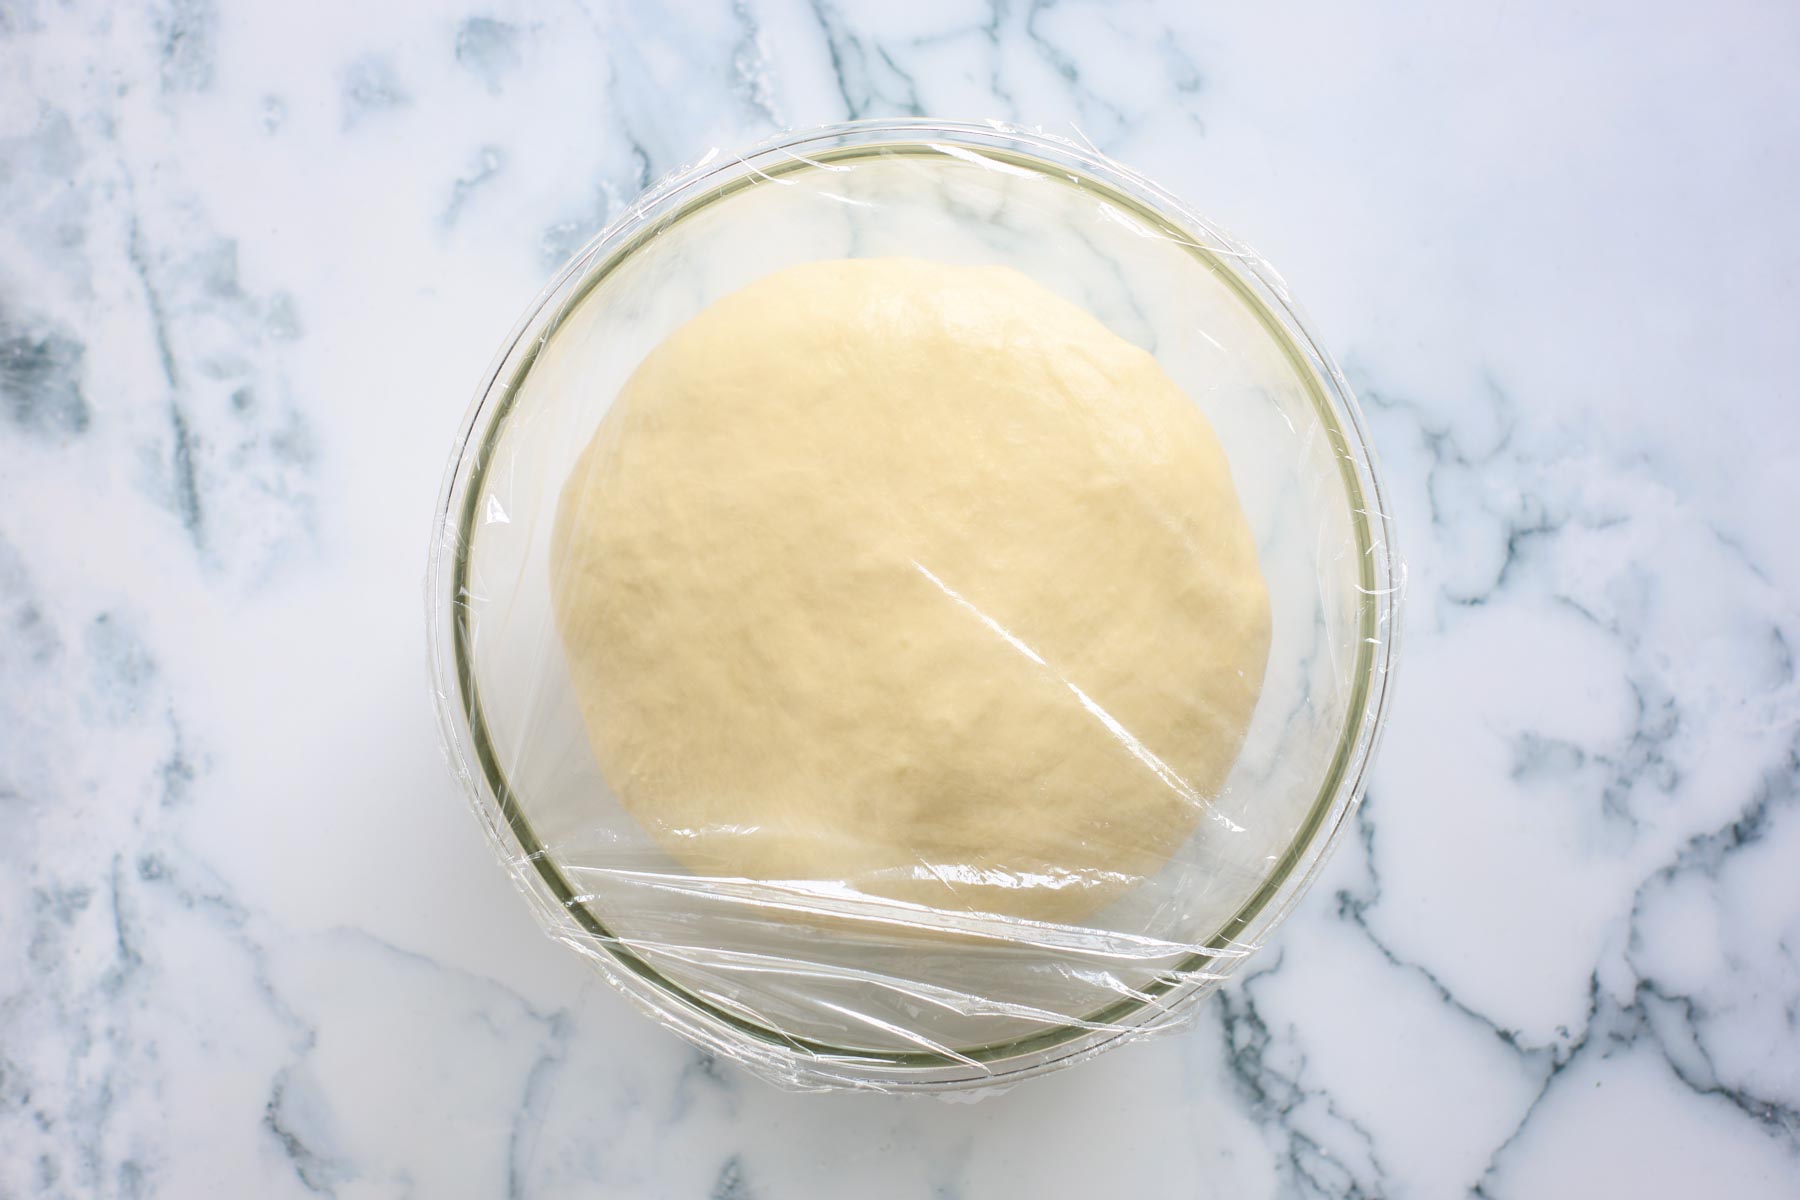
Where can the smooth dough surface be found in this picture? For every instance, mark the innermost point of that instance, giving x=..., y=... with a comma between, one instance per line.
x=913, y=579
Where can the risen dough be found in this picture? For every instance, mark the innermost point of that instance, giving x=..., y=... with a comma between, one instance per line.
x=912, y=579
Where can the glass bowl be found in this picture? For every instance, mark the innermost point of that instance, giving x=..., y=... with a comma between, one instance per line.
x=876, y=995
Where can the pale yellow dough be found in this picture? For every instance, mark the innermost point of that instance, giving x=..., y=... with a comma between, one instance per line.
x=911, y=579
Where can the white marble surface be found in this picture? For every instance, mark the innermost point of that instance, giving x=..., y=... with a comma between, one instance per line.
x=253, y=259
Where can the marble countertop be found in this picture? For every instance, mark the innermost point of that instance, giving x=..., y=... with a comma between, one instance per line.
x=253, y=261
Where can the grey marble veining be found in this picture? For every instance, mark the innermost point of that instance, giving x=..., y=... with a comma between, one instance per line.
x=253, y=260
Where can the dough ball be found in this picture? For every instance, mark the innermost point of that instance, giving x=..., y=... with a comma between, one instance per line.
x=912, y=579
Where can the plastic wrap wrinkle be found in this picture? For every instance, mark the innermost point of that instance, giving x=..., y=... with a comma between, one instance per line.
x=811, y=982
x=804, y=899
x=1137, y=749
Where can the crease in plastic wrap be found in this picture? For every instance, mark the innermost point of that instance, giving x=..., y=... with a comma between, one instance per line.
x=818, y=983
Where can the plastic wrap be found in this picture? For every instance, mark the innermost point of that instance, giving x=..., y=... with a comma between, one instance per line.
x=814, y=983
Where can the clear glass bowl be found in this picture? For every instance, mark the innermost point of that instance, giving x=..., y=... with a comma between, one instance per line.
x=875, y=1002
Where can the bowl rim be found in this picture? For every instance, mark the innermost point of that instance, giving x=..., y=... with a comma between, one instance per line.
x=462, y=725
